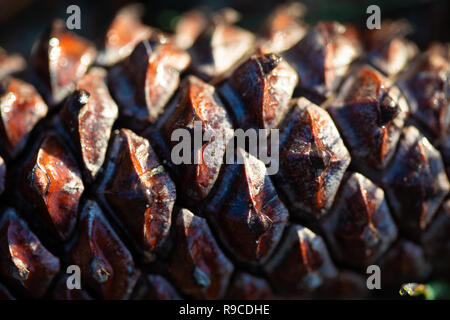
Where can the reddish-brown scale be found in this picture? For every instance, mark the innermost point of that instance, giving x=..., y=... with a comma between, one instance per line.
x=189, y=27
x=53, y=186
x=258, y=92
x=25, y=262
x=88, y=117
x=313, y=159
x=436, y=240
x=283, y=28
x=219, y=48
x=21, y=107
x=301, y=264
x=5, y=294
x=416, y=182
x=196, y=263
x=245, y=286
x=388, y=49
x=405, y=262
x=10, y=63
x=246, y=212
x=106, y=264
x=155, y=287
x=322, y=57
x=119, y=41
x=426, y=86
x=60, y=59
x=370, y=114
x=61, y=291
x=198, y=101
x=138, y=191
x=360, y=228
x=145, y=81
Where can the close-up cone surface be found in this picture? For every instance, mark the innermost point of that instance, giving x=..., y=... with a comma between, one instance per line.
x=108, y=166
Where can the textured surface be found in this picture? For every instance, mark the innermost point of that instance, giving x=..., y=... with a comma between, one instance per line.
x=364, y=153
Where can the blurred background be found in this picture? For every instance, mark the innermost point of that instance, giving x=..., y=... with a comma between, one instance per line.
x=21, y=21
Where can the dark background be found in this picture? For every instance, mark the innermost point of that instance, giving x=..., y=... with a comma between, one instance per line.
x=21, y=21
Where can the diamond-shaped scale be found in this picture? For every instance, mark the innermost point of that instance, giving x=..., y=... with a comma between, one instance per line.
x=119, y=41
x=426, y=84
x=370, y=114
x=196, y=263
x=416, y=182
x=143, y=83
x=106, y=264
x=87, y=118
x=219, y=47
x=284, y=27
x=322, y=57
x=52, y=184
x=388, y=49
x=138, y=191
x=313, y=159
x=21, y=107
x=25, y=262
x=359, y=228
x=61, y=58
x=404, y=262
x=246, y=211
x=258, y=91
x=198, y=104
x=301, y=264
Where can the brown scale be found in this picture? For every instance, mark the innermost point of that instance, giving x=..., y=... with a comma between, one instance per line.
x=220, y=46
x=143, y=83
x=415, y=182
x=322, y=57
x=196, y=263
x=258, y=91
x=313, y=159
x=301, y=264
x=26, y=264
x=198, y=101
x=246, y=212
x=359, y=228
x=107, y=266
x=87, y=117
x=370, y=114
x=284, y=28
x=138, y=191
x=119, y=41
x=60, y=59
x=426, y=85
x=52, y=184
x=21, y=107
